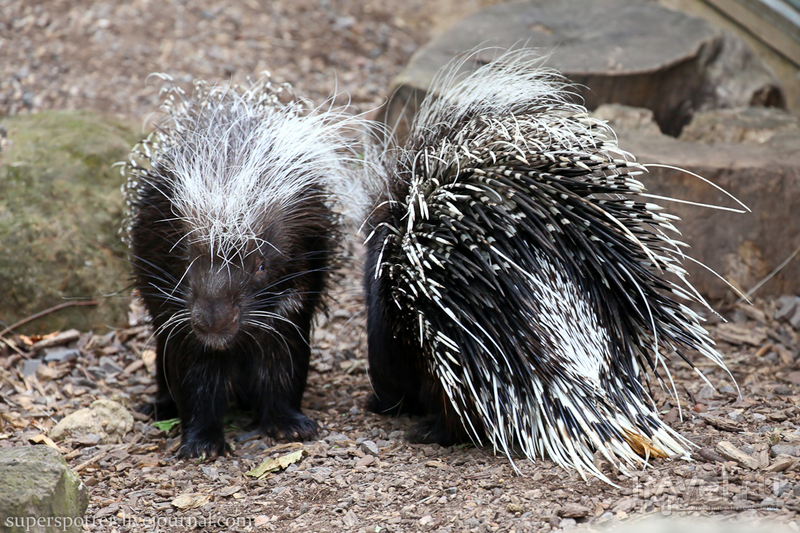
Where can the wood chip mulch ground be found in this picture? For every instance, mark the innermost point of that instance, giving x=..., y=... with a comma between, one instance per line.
x=361, y=475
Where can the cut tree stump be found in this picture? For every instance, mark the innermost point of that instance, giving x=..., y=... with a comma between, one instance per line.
x=617, y=51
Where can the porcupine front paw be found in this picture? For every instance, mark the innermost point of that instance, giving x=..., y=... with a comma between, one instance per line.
x=294, y=427
x=430, y=433
x=203, y=446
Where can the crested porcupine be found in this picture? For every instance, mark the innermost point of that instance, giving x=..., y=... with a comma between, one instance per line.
x=232, y=228
x=515, y=276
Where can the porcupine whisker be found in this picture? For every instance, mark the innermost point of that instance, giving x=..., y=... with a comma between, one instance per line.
x=173, y=321
x=262, y=325
x=268, y=289
x=169, y=296
x=274, y=316
x=275, y=334
x=152, y=269
x=183, y=276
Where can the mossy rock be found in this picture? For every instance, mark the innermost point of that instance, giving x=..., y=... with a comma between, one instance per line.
x=39, y=492
x=60, y=212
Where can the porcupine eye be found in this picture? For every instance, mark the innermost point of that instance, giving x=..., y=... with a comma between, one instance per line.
x=259, y=269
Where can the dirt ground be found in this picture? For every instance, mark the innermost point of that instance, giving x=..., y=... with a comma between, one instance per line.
x=361, y=475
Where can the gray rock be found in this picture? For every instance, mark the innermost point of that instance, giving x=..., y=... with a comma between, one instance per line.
x=631, y=52
x=568, y=523
x=785, y=449
x=35, y=482
x=211, y=472
x=706, y=392
x=744, y=125
x=575, y=510
x=29, y=367
x=370, y=448
x=59, y=354
x=79, y=424
x=115, y=419
x=60, y=213
x=109, y=365
x=736, y=416
x=628, y=118
x=779, y=488
x=789, y=310
x=106, y=421
x=333, y=438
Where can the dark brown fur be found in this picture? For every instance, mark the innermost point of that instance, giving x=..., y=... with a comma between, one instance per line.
x=216, y=353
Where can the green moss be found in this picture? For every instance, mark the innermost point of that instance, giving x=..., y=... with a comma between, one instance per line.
x=60, y=211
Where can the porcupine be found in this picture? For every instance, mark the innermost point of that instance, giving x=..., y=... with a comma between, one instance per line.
x=232, y=232
x=515, y=276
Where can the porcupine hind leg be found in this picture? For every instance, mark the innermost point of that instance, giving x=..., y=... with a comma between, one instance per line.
x=402, y=385
x=393, y=362
x=201, y=395
x=442, y=426
x=164, y=408
x=281, y=382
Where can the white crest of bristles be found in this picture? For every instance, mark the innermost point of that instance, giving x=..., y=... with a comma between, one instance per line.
x=513, y=106
x=234, y=156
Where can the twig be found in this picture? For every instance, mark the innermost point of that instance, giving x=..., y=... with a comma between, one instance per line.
x=99, y=455
x=769, y=276
x=13, y=347
x=46, y=312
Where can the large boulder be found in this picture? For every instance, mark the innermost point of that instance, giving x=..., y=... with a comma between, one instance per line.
x=38, y=492
x=60, y=211
x=631, y=52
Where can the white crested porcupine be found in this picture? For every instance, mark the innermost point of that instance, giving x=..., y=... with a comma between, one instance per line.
x=235, y=204
x=515, y=276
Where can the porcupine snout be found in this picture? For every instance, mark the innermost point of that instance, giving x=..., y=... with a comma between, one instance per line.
x=214, y=312
x=214, y=321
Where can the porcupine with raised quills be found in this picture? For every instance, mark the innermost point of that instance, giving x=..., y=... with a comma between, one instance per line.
x=515, y=277
x=232, y=233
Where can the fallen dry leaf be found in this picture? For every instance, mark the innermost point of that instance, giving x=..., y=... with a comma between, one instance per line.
x=275, y=464
x=41, y=438
x=149, y=358
x=191, y=500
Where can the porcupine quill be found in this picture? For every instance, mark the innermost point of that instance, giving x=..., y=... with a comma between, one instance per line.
x=516, y=277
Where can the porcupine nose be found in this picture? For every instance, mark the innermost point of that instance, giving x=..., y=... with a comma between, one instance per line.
x=215, y=322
